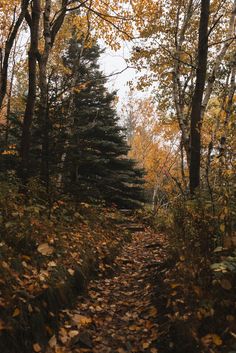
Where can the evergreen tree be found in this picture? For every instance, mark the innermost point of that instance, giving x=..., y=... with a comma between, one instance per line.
x=96, y=165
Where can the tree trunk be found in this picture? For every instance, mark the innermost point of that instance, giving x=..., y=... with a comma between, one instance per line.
x=195, y=131
x=33, y=22
x=8, y=47
x=225, y=46
x=49, y=33
x=43, y=85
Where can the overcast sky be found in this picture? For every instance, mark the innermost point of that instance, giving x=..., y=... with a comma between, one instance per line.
x=114, y=62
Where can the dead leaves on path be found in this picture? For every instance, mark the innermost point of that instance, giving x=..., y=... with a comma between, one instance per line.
x=118, y=315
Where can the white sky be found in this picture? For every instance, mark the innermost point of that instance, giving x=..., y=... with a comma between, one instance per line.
x=113, y=62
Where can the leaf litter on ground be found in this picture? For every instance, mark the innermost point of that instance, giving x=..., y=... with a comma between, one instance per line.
x=118, y=314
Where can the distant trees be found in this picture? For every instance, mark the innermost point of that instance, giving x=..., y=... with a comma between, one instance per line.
x=169, y=51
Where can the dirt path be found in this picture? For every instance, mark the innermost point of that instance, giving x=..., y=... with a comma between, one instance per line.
x=118, y=314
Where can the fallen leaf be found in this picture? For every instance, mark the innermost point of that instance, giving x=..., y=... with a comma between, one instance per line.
x=2, y=325
x=121, y=350
x=146, y=345
x=36, y=347
x=217, y=340
x=71, y=272
x=52, y=342
x=230, y=318
x=225, y=283
x=16, y=312
x=134, y=328
x=81, y=320
x=73, y=333
x=175, y=285
x=25, y=257
x=52, y=264
x=211, y=338
x=45, y=249
x=153, y=311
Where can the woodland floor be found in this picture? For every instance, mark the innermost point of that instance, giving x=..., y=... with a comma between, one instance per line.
x=118, y=313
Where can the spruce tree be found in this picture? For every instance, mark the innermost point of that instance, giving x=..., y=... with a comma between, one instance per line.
x=96, y=165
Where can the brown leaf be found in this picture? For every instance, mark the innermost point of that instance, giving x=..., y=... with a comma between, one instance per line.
x=225, y=283
x=2, y=325
x=81, y=319
x=154, y=350
x=121, y=350
x=153, y=311
x=36, y=347
x=134, y=328
x=52, y=342
x=45, y=249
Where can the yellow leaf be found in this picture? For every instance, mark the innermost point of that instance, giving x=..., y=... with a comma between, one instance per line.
x=222, y=228
x=216, y=340
x=16, y=312
x=211, y=338
x=175, y=285
x=146, y=345
x=36, y=347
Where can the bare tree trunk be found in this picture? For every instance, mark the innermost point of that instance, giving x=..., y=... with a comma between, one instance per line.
x=9, y=102
x=228, y=108
x=184, y=179
x=43, y=85
x=212, y=77
x=7, y=52
x=195, y=131
x=50, y=32
x=33, y=21
x=178, y=87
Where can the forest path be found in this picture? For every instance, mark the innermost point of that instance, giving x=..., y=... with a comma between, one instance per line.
x=118, y=314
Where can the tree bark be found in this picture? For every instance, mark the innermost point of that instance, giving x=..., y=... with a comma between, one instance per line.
x=212, y=77
x=178, y=87
x=50, y=32
x=43, y=85
x=8, y=48
x=195, y=131
x=33, y=22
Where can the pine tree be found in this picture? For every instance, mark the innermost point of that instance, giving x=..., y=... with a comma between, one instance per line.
x=96, y=165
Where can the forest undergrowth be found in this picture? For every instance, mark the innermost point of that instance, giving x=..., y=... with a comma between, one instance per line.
x=197, y=282
x=47, y=257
